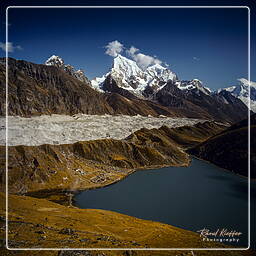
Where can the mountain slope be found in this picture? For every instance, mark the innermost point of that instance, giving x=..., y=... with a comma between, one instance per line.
x=36, y=89
x=89, y=164
x=56, y=88
x=57, y=226
x=58, y=62
x=229, y=149
x=196, y=102
x=241, y=91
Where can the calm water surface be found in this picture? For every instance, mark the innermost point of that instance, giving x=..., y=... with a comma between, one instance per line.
x=195, y=197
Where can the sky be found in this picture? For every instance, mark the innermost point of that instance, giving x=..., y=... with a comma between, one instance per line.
x=208, y=44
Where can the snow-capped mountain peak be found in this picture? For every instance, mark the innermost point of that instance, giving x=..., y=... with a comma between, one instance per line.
x=125, y=69
x=246, y=82
x=194, y=84
x=55, y=60
x=163, y=73
x=241, y=91
x=122, y=64
x=130, y=76
x=58, y=62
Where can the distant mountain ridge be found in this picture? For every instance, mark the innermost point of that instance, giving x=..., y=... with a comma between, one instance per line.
x=36, y=89
x=146, y=83
x=56, y=87
x=241, y=91
x=130, y=77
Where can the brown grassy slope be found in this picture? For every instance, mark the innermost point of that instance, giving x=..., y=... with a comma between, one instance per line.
x=40, y=223
x=184, y=136
x=97, y=163
x=229, y=149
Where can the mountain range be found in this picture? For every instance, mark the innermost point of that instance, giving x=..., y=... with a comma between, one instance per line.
x=56, y=87
x=146, y=83
x=161, y=85
x=241, y=91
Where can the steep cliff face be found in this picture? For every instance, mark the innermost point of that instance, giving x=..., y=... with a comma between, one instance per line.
x=39, y=89
x=100, y=162
x=35, y=89
x=229, y=149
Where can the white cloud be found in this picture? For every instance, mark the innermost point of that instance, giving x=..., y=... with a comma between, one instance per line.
x=195, y=58
x=132, y=50
x=142, y=60
x=114, y=48
x=10, y=47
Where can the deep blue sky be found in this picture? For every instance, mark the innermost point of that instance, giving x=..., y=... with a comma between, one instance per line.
x=216, y=37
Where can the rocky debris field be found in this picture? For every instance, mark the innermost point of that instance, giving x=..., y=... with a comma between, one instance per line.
x=64, y=129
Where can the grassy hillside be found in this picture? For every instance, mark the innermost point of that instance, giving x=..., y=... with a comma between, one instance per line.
x=90, y=164
x=40, y=223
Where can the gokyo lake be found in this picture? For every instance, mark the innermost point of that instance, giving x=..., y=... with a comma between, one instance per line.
x=193, y=198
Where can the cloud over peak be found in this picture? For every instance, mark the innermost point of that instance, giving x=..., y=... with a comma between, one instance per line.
x=143, y=61
x=114, y=48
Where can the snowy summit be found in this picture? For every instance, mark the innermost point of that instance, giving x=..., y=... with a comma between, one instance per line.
x=58, y=62
x=241, y=91
x=131, y=77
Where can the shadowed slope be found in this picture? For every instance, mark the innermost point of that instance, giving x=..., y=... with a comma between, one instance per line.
x=229, y=149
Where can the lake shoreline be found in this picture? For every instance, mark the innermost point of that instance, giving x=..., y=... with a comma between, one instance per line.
x=120, y=197
x=71, y=194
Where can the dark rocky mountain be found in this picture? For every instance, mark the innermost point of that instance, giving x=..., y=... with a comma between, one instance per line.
x=110, y=85
x=59, y=63
x=36, y=89
x=229, y=148
x=193, y=103
x=57, y=88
